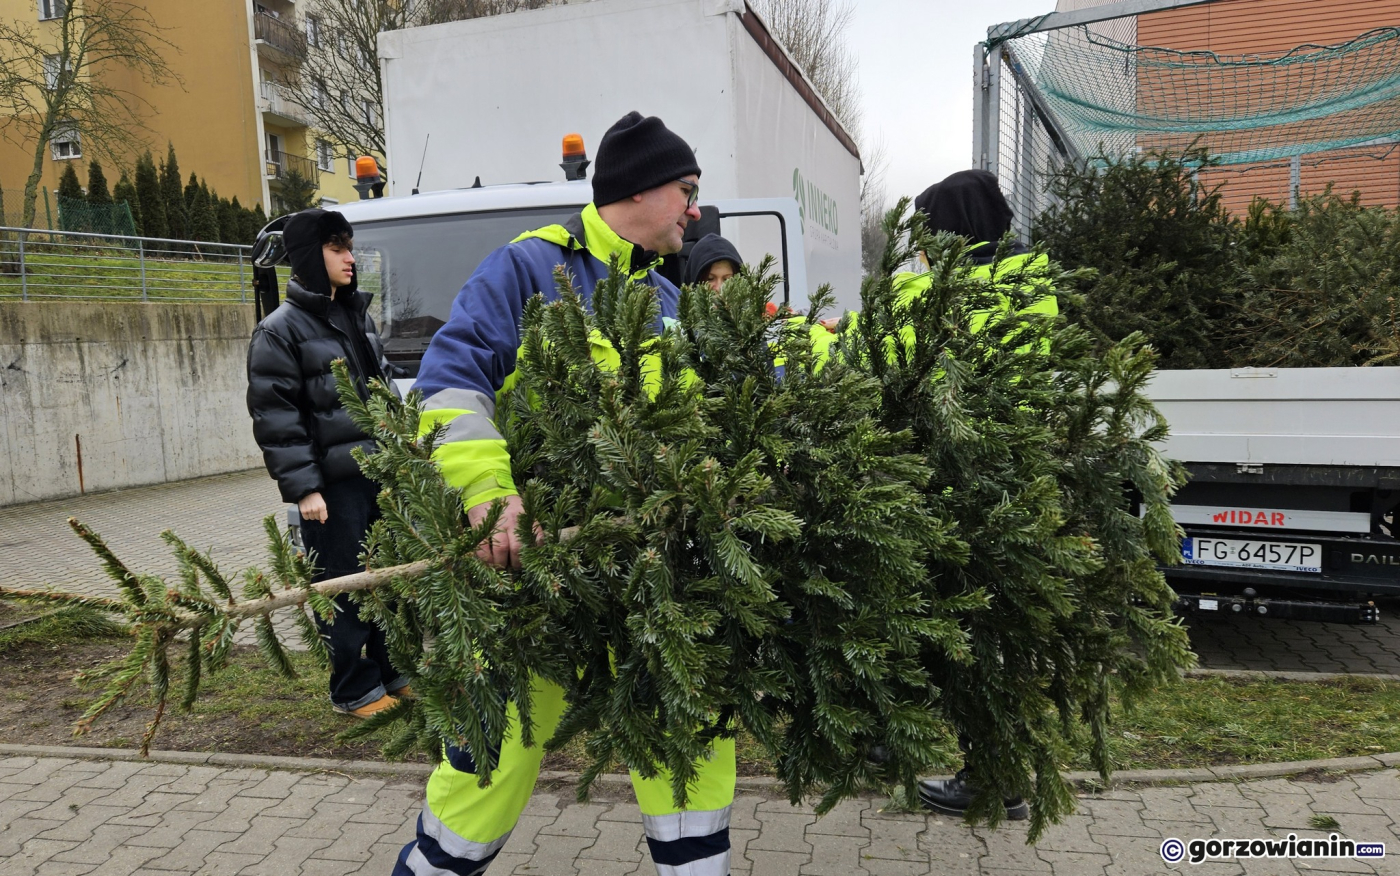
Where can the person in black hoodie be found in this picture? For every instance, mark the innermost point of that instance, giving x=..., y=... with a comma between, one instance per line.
x=712, y=260
x=969, y=203
x=306, y=436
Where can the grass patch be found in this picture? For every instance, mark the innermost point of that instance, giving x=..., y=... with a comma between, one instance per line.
x=1216, y=721
x=117, y=273
x=25, y=624
x=251, y=709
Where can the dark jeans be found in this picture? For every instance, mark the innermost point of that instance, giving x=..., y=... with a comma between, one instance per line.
x=360, y=668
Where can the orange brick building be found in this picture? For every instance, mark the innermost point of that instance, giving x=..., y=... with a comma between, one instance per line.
x=1272, y=28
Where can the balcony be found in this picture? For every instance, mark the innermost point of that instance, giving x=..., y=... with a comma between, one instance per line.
x=281, y=109
x=280, y=164
x=280, y=36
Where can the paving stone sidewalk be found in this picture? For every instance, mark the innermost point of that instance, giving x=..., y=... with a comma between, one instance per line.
x=223, y=514
x=65, y=817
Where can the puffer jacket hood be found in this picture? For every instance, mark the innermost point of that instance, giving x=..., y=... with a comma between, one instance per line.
x=303, y=236
x=707, y=250
x=304, y=431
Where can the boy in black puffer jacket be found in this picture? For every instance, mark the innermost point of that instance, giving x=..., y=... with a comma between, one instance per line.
x=306, y=436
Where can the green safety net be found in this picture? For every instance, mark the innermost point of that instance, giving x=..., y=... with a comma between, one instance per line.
x=1097, y=93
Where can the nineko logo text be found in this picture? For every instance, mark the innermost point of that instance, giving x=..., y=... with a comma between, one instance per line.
x=817, y=207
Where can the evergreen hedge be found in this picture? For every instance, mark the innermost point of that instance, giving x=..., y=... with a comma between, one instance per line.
x=1310, y=287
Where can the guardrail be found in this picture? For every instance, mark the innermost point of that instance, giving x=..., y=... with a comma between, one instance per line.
x=40, y=265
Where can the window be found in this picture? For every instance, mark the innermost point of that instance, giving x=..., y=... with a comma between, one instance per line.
x=349, y=165
x=65, y=142
x=319, y=96
x=325, y=156
x=367, y=108
x=51, y=9
x=274, y=155
x=313, y=31
x=53, y=64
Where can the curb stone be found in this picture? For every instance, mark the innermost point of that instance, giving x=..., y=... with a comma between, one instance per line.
x=619, y=781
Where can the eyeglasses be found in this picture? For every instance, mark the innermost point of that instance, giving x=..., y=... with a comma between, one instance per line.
x=692, y=192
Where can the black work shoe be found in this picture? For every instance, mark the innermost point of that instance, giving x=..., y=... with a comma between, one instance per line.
x=954, y=797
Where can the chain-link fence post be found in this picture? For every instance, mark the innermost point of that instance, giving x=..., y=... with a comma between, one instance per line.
x=141, y=260
x=23, y=279
x=242, y=288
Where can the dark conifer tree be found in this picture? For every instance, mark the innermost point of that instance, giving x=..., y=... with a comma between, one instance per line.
x=237, y=220
x=256, y=220
x=191, y=190
x=97, y=193
x=204, y=222
x=176, y=219
x=151, y=203
x=68, y=186
x=125, y=193
x=230, y=226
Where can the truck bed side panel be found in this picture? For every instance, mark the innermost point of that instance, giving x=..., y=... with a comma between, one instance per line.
x=1292, y=416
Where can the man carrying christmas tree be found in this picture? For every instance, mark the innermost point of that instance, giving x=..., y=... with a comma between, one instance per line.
x=970, y=204
x=644, y=194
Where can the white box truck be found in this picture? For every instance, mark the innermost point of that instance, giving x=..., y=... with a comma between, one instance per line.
x=1295, y=483
x=488, y=100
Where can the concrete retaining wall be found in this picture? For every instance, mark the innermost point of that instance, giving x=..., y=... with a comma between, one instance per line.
x=104, y=395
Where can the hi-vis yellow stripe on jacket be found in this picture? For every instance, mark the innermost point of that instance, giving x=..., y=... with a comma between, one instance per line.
x=472, y=358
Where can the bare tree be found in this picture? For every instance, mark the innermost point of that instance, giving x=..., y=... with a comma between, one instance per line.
x=814, y=33
x=338, y=82
x=56, y=87
x=875, y=161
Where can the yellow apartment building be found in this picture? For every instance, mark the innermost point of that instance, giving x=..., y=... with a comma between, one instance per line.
x=227, y=119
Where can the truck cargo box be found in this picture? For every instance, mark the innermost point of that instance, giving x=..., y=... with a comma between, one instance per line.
x=1295, y=483
x=491, y=98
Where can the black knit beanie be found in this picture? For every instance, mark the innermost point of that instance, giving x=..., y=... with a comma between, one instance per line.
x=638, y=154
x=303, y=236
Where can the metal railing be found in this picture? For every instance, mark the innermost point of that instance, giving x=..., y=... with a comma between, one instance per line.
x=280, y=105
x=279, y=34
x=38, y=265
x=280, y=164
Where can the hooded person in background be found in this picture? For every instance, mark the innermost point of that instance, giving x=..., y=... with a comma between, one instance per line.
x=306, y=436
x=712, y=260
x=970, y=204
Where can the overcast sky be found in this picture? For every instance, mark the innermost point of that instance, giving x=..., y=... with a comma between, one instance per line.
x=915, y=60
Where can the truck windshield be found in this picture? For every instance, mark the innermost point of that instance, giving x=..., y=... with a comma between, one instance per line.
x=415, y=268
